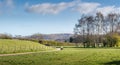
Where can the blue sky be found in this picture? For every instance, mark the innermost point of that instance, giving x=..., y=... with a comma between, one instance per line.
x=26, y=17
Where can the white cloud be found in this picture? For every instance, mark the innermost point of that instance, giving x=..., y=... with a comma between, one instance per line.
x=93, y=8
x=49, y=8
x=108, y=9
x=76, y=5
x=9, y=3
x=6, y=6
x=86, y=8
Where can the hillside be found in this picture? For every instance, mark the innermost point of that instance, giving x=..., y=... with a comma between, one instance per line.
x=57, y=37
x=16, y=46
x=54, y=37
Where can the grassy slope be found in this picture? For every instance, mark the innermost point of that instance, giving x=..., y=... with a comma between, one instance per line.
x=69, y=56
x=13, y=46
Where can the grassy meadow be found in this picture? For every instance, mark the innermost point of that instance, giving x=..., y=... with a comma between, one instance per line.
x=68, y=56
x=17, y=46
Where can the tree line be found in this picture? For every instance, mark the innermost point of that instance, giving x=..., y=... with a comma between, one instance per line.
x=97, y=30
x=37, y=37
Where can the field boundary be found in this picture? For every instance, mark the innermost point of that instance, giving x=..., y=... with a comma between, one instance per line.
x=14, y=54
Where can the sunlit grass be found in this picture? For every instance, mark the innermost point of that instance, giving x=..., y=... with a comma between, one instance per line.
x=14, y=46
x=68, y=56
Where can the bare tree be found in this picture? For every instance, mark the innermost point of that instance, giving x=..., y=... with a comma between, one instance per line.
x=92, y=29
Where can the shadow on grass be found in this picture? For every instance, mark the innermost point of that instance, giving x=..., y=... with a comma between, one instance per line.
x=112, y=63
x=88, y=47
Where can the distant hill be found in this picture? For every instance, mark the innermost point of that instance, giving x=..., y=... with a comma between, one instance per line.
x=57, y=37
x=54, y=37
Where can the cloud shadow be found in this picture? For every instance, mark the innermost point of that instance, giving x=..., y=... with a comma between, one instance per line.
x=112, y=63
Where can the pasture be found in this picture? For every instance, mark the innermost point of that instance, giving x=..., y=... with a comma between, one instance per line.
x=17, y=46
x=68, y=56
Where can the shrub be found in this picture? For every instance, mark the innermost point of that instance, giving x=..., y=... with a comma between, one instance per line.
x=111, y=40
x=5, y=36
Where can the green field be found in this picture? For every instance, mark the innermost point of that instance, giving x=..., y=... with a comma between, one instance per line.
x=17, y=46
x=68, y=56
